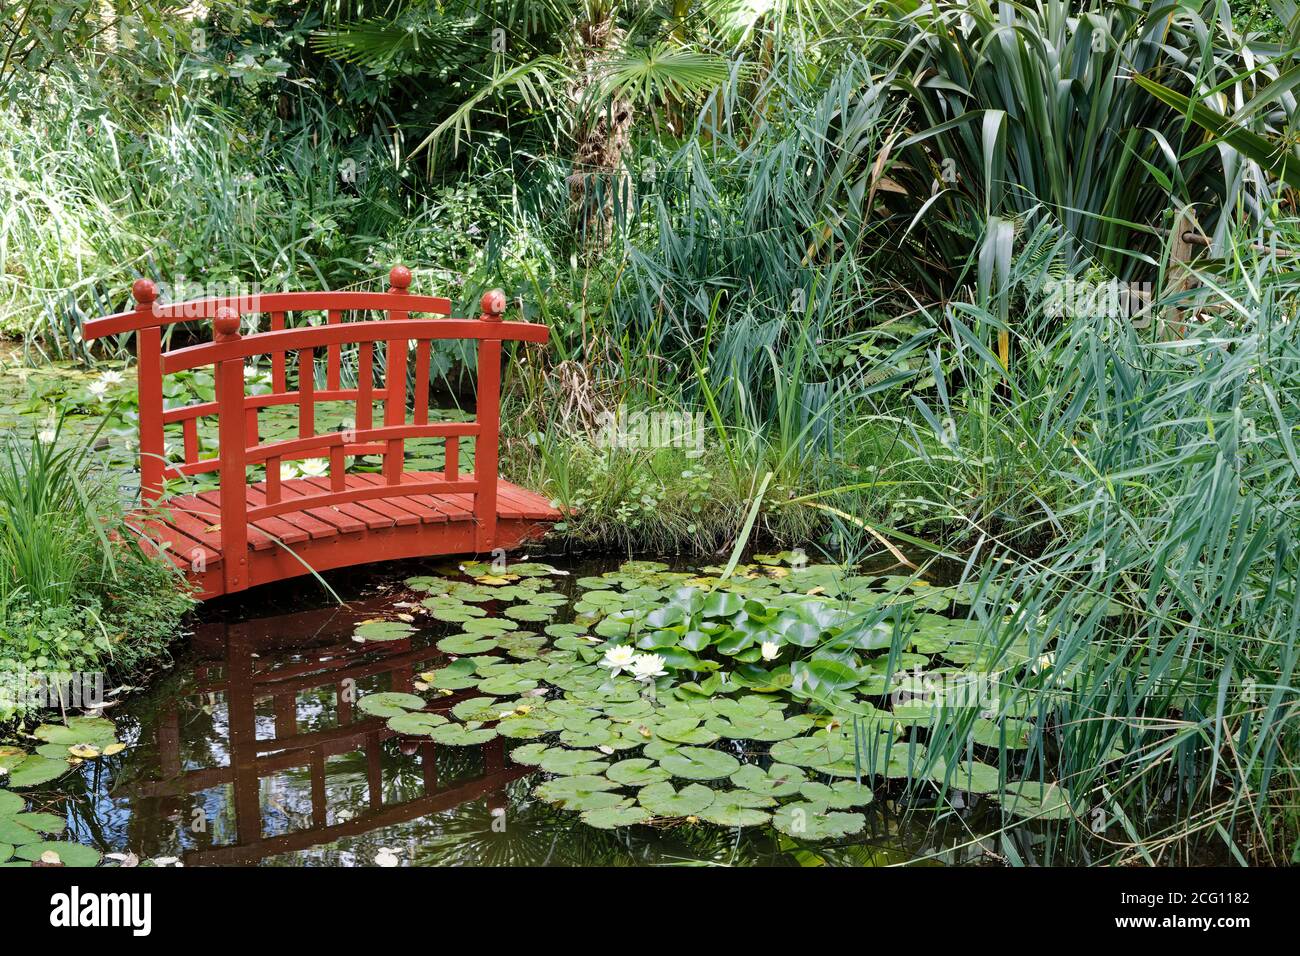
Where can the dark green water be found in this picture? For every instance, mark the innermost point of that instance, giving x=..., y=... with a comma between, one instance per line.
x=251, y=751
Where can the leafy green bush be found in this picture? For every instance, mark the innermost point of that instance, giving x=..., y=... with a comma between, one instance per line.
x=1021, y=109
x=76, y=592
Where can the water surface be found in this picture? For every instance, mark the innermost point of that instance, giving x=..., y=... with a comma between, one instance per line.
x=251, y=751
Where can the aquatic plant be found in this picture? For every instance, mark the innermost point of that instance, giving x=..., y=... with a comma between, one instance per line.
x=777, y=694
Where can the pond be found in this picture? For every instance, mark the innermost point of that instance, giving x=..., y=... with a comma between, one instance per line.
x=256, y=748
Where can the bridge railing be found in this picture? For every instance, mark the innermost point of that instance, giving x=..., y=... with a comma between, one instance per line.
x=293, y=353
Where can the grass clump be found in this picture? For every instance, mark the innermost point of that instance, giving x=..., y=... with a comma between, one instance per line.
x=77, y=593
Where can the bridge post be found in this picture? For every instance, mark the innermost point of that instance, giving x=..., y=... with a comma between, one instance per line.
x=233, y=452
x=489, y=423
x=148, y=357
x=399, y=278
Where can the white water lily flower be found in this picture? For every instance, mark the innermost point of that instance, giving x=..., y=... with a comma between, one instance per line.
x=288, y=469
x=315, y=467
x=1043, y=663
x=385, y=857
x=647, y=667
x=112, y=377
x=618, y=658
x=46, y=435
x=98, y=388
x=770, y=650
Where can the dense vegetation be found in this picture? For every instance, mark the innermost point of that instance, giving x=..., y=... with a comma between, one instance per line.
x=917, y=271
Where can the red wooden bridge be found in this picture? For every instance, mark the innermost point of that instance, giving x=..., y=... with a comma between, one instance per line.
x=250, y=532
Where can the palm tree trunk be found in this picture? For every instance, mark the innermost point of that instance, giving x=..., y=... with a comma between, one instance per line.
x=598, y=183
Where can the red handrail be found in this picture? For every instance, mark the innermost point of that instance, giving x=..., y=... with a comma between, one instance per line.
x=237, y=413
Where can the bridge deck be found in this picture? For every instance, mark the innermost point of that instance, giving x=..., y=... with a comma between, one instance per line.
x=187, y=528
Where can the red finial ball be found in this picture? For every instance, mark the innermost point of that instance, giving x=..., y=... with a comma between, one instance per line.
x=493, y=303
x=144, y=291
x=400, y=277
x=226, y=325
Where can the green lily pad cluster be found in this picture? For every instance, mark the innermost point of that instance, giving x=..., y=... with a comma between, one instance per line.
x=64, y=746
x=770, y=696
x=26, y=836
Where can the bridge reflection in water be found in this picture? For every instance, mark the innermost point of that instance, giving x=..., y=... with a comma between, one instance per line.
x=289, y=685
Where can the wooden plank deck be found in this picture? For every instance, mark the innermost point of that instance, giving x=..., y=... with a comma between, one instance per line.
x=188, y=529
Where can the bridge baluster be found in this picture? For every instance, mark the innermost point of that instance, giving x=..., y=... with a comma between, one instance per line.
x=306, y=393
x=279, y=374
x=365, y=386
x=273, y=480
x=233, y=450
x=334, y=354
x=420, y=414
x=395, y=407
x=190, y=431
x=489, y=423
x=451, y=455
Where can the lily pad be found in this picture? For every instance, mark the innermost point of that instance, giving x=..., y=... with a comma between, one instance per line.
x=34, y=771
x=814, y=821
x=455, y=735
x=663, y=800
x=698, y=763
x=841, y=795
x=389, y=704
x=70, y=854
x=12, y=830
x=573, y=763
x=685, y=730
x=968, y=775
x=583, y=792
x=637, y=772
x=10, y=803
x=1010, y=733
x=416, y=725
x=737, y=808
x=382, y=631
x=779, y=780
x=1038, y=801
x=466, y=644
x=610, y=818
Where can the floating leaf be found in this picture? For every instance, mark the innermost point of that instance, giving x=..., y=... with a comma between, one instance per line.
x=467, y=644
x=530, y=755
x=11, y=803
x=841, y=795
x=611, y=817
x=664, y=801
x=455, y=735
x=13, y=830
x=778, y=780
x=737, y=808
x=389, y=704
x=1033, y=800
x=1010, y=733
x=70, y=854
x=573, y=763
x=637, y=772
x=698, y=763
x=36, y=770
x=416, y=725
x=382, y=631
x=968, y=775
x=813, y=821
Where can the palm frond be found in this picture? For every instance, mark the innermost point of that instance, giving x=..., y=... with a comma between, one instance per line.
x=380, y=42
x=662, y=71
x=532, y=80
